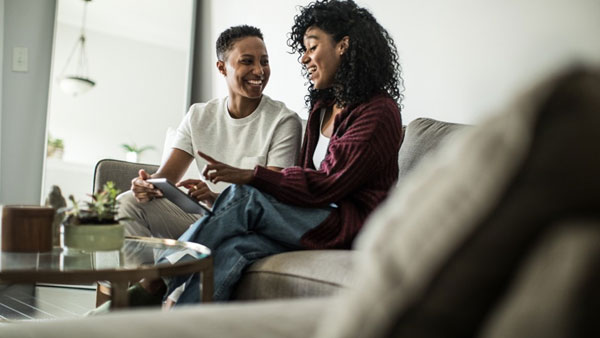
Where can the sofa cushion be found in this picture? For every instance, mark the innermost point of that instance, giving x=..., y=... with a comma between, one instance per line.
x=439, y=253
x=294, y=274
x=422, y=136
x=564, y=266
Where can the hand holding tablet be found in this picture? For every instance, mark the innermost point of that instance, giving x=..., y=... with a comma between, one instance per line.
x=178, y=197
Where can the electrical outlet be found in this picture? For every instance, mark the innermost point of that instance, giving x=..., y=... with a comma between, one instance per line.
x=20, y=59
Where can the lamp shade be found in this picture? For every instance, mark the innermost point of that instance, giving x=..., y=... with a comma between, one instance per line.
x=75, y=85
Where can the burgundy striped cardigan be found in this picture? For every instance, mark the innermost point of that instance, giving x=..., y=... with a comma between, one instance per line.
x=359, y=169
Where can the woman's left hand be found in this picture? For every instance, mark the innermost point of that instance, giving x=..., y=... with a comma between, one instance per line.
x=216, y=171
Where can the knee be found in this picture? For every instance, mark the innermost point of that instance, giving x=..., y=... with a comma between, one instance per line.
x=234, y=193
x=127, y=203
x=131, y=213
x=237, y=189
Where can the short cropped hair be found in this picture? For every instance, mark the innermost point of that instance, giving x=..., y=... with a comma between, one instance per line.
x=229, y=36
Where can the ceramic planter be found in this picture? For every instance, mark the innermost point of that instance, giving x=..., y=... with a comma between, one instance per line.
x=90, y=237
x=131, y=156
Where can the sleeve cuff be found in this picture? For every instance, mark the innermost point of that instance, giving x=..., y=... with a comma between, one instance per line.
x=265, y=179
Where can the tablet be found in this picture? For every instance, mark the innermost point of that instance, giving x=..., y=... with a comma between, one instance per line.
x=178, y=197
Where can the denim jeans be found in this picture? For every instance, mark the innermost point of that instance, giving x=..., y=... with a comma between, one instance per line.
x=246, y=225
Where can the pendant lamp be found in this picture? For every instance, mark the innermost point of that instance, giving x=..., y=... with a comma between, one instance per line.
x=78, y=82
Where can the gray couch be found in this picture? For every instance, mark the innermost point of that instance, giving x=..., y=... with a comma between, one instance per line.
x=495, y=235
x=300, y=273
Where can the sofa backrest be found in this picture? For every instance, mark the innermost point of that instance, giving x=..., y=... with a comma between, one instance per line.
x=421, y=137
x=120, y=172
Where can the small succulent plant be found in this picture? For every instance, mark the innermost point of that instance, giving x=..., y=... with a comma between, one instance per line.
x=57, y=143
x=55, y=147
x=101, y=210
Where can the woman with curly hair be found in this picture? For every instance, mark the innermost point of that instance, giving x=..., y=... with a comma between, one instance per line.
x=349, y=158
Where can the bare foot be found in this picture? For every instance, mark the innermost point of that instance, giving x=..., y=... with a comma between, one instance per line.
x=169, y=304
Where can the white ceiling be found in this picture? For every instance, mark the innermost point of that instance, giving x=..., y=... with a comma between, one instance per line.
x=163, y=22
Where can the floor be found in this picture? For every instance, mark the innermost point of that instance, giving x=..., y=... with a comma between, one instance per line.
x=28, y=302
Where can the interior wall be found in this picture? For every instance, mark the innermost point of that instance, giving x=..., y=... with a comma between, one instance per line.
x=462, y=60
x=30, y=24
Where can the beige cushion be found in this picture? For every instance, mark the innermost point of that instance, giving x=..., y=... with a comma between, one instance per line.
x=257, y=319
x=293, y=274
x=557, y=284
x=441, y=249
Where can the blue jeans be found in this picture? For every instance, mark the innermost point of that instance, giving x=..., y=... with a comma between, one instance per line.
x=246, y=225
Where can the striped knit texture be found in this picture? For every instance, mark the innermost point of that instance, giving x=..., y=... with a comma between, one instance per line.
x=359, y=169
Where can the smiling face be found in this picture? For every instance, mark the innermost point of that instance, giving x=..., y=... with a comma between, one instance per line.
x=246, y=68
x=322, y=56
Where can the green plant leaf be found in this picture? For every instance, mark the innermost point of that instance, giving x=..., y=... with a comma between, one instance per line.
x=101, y=210
x=135, y=149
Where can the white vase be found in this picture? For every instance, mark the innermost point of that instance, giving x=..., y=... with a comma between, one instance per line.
x=131, y=156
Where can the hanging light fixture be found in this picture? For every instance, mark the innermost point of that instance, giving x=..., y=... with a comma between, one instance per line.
x=79, y=82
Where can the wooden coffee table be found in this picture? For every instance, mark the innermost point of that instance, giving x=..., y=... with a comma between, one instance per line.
x=135, y=261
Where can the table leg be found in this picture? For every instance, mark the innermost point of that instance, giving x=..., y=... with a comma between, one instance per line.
x=119, y=297
x=207, y=284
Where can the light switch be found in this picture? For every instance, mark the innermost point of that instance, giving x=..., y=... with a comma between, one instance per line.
x=20, y=59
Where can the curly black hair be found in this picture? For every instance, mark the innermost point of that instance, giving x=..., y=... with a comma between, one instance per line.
x=229, y=36
x=369, y=67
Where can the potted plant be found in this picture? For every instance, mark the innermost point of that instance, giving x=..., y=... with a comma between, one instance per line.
x=94, y=226
x=55, y=147
x=133, y=152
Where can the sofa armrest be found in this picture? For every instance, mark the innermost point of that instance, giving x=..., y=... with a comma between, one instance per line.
x=120, y=172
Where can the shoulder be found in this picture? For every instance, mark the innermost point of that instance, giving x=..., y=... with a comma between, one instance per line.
x=380, y=110
x=375, y=119
x=379, y=104
x=278, y=109
x=202, y=109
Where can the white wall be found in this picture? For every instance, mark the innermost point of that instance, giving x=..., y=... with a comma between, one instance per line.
x=462, y=59
x=27, y=23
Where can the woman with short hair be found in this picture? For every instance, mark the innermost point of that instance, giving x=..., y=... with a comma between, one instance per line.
x=246, y=128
